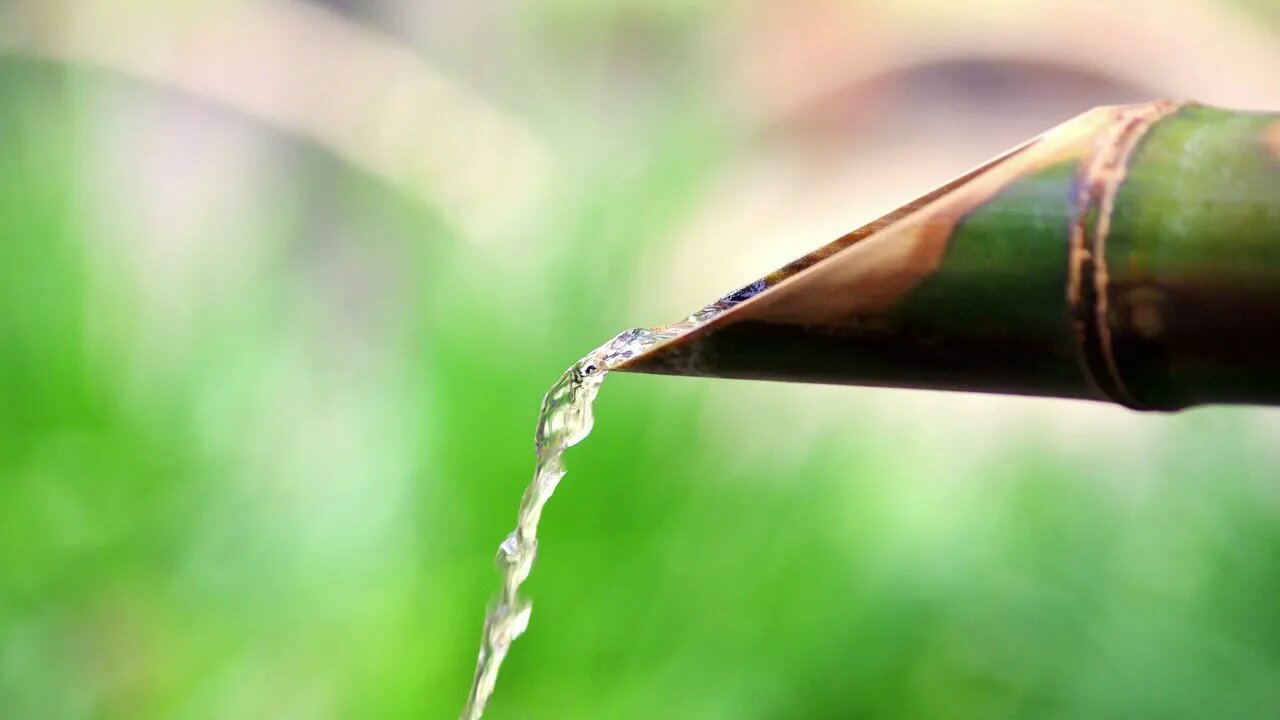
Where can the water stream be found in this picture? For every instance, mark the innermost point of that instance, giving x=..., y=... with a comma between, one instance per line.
x=566, y=418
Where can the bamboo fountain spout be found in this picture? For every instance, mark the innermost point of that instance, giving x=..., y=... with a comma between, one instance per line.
x=1131, y=255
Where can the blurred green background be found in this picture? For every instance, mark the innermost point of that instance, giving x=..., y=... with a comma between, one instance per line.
x=282, y=284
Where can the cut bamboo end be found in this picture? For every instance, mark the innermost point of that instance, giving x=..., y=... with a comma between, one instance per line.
x=1130, y=255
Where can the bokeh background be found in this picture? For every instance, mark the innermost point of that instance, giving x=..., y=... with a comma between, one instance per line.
x=282, y=284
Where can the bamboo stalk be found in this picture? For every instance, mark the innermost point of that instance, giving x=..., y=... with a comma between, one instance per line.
x=1131, y=255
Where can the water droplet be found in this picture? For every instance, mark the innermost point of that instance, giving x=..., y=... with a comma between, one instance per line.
x=509, y=550
x=519, y=622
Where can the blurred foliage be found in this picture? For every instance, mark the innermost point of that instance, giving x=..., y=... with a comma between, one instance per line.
x=276, y=492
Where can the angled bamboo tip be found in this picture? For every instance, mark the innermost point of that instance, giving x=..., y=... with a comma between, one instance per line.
x=1128, y=255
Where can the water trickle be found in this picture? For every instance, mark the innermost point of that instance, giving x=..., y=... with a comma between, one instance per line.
x=566, y=418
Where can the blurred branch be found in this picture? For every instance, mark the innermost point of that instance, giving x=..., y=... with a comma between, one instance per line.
x=316, y=75
x=1204, y=50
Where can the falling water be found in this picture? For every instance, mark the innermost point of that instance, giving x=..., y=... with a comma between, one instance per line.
x=565, y=419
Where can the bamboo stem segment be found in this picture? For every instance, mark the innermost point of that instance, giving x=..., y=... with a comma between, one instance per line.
x=1131, y=255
